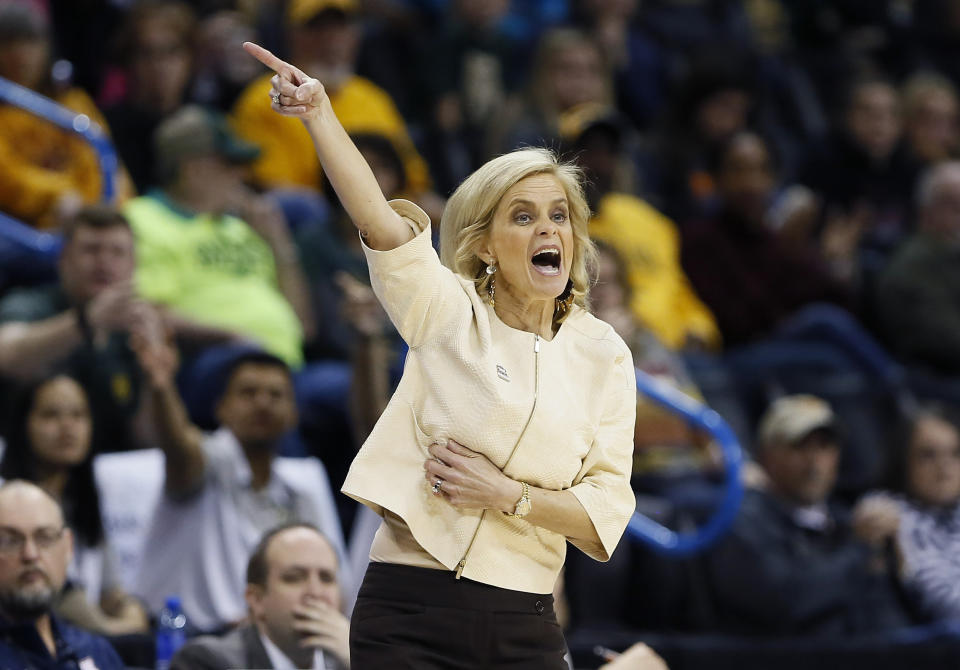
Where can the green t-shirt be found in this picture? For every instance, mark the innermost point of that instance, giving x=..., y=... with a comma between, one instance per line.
x=216, y=270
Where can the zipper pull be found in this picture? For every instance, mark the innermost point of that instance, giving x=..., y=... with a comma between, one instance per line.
x=536, y=343
x=460, y=566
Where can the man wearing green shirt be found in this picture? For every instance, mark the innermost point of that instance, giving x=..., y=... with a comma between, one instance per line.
x=218, y=255
x=210, y=248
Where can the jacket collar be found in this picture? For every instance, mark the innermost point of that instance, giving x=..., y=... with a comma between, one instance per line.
x=254, y=655
x=24, y=635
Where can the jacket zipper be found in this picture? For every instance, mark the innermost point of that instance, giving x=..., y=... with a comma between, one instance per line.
x=536, y=394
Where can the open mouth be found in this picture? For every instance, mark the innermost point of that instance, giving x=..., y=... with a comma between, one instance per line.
x=547, y=261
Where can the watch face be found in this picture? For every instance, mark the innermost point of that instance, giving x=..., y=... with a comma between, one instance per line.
x=523, y=507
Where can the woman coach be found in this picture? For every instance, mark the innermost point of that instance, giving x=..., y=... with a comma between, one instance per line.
x=510, y=432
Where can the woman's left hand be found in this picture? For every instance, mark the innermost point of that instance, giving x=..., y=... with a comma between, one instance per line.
x=468, y=480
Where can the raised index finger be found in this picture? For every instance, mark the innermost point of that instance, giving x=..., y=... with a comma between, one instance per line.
x=267, y=58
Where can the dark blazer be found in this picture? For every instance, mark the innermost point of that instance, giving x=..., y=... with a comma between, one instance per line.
x=240, y=648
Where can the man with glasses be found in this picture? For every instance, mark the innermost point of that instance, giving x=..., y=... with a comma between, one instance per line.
x=35, y=550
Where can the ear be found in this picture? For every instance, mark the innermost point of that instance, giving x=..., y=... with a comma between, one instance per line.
x=253, y=595
x=484, y=252
x=68, y=541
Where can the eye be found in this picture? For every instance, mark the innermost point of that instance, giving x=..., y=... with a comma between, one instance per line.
x=560, y=217
x=522, y=218
x=45, y=537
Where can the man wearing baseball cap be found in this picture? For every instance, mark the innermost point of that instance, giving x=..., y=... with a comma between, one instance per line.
x=799, y=449
x=216, y=254
x=791, y=564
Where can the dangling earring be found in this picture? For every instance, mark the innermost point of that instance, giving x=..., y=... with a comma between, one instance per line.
x=491, y=285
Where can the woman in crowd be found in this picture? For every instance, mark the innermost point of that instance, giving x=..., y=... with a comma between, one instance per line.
x=569, y=74
x=920, y=519
x=49, y=444
x=511, y=430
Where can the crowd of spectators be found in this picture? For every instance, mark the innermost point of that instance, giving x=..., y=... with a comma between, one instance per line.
x=775, y=187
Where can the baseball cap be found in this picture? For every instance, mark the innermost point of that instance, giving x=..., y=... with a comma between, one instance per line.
x=791, y=418
x=300, y=12
x=196, y=131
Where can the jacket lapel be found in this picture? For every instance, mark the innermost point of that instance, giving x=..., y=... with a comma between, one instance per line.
x=255, y=656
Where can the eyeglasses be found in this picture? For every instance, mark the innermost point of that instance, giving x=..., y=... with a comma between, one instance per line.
x=13, y=542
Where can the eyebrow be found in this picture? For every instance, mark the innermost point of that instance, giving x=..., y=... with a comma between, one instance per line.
x=11, y=529
x=523, y=201
x=304, y=568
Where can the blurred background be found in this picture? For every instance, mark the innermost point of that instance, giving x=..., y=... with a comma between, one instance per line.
x=776, y=198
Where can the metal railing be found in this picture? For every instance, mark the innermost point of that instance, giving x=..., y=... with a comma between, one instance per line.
x=19, y=235
x=81, y=124
x=659, y=537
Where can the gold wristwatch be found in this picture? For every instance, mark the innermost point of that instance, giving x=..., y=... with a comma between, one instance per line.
x=523, y=505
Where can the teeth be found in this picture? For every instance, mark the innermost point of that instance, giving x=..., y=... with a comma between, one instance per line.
x=548, y=260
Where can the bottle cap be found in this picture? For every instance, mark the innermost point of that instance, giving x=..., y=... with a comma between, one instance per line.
x=172, y=603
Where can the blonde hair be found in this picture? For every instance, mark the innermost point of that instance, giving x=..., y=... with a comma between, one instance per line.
x=468, y=216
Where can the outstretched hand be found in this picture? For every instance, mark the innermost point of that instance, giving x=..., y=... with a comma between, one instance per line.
x=293, y=93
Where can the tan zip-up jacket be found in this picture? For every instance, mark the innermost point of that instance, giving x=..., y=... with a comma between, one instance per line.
x=557, y=414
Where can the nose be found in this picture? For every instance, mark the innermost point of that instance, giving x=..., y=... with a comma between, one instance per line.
x=262, y=399
x=546, y=227
x=320, y=591
x=316, y=590
x=30, y=551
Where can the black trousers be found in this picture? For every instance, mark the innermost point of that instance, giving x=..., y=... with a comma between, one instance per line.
x=422, y=619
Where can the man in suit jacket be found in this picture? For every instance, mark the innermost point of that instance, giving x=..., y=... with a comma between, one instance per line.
x=295, y=620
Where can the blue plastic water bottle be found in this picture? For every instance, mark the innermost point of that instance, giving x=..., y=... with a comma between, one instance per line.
x=171, y=631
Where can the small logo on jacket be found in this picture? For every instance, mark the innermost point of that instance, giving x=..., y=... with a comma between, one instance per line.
x=502, y=373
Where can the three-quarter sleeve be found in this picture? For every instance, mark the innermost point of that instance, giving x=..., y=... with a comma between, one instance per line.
x=603, y=485
x=420, y=295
